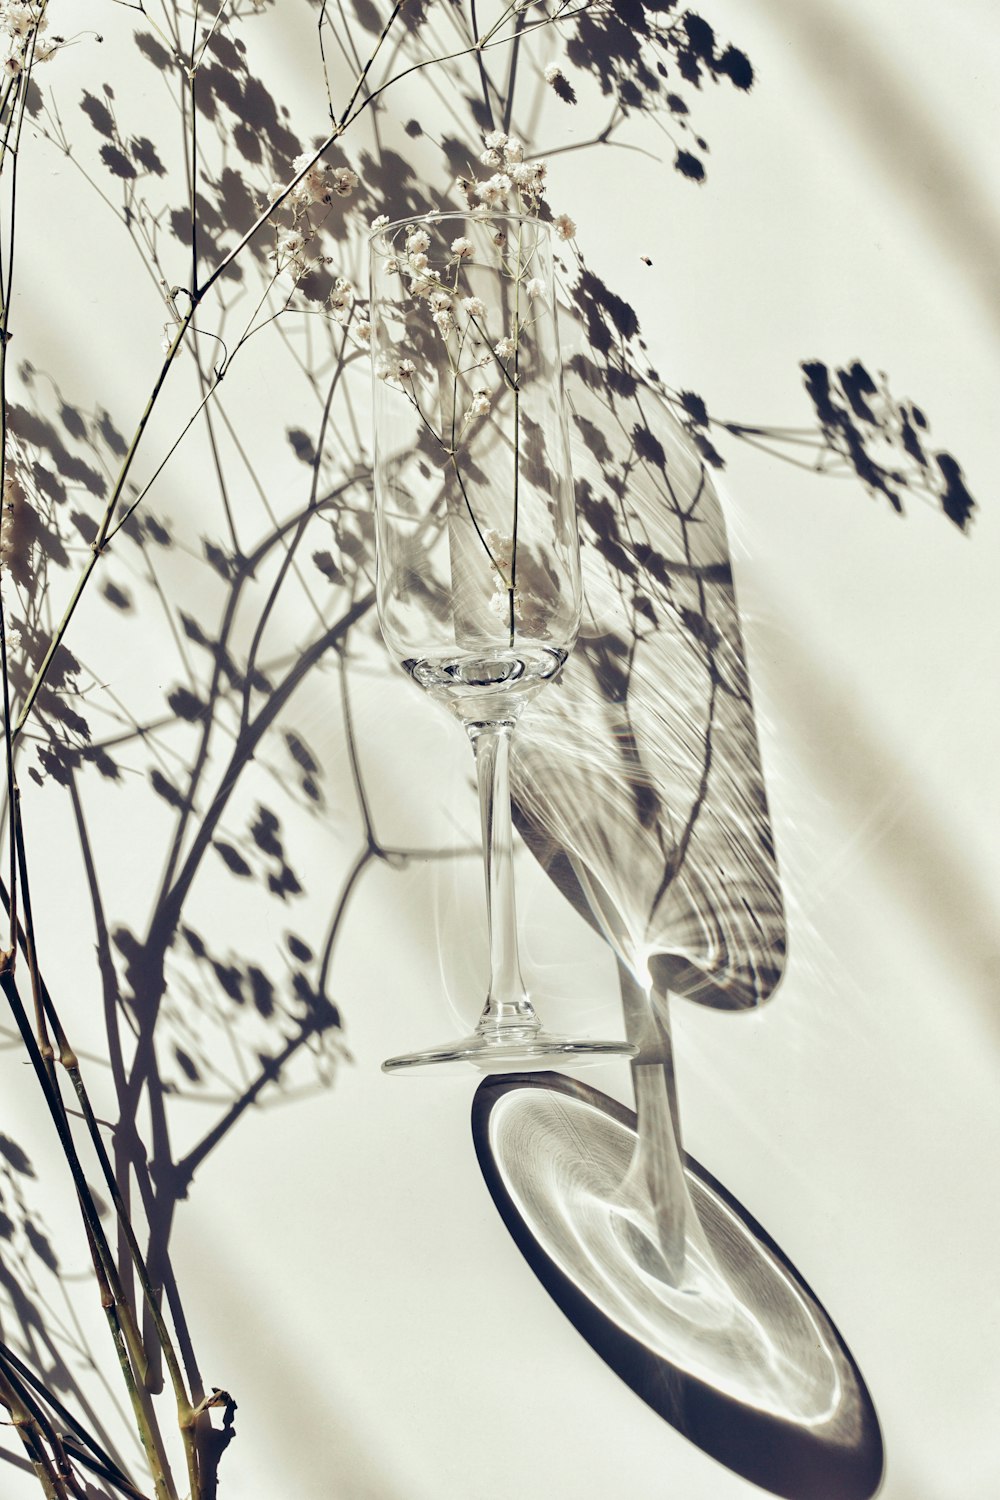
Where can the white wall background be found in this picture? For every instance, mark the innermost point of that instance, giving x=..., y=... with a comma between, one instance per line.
x=344, y=1271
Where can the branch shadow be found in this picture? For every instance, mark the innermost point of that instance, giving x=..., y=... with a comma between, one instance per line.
x=641, y=769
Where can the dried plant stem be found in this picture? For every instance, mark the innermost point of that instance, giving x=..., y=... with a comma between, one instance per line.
x=163, y=1484
x=29, y=1428
x=45, y=1009
x=128, y=1343
x=519, y=272
x=73, y=1434
x=121, y=1322
x=8, y=955
x=15, y=121
x=185, y=1411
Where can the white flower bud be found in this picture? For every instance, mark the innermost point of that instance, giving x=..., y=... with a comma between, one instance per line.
x=344, y=181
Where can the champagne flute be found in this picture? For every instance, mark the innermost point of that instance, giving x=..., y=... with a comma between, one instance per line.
x=478, y=569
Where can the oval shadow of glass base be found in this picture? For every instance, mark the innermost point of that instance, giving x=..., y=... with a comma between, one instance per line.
x=739, y=1356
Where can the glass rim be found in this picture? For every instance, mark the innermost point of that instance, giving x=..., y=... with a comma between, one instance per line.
x=439, y=216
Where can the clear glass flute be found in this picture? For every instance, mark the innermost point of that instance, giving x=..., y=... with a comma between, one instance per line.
x=479, y=589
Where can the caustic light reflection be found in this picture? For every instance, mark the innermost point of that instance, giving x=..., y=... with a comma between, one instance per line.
x=734, y=1319
x=733, y=1349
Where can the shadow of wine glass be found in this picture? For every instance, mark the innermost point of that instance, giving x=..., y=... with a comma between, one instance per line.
x=737, y=1353
x=639, y=787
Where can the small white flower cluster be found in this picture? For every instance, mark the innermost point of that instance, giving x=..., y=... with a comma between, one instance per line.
x=289, y=254
x=501, y=547
x=529, y=613
x=314, y=187
x=317, y=185
x=441, y=313
x=19, y=18
x=341, y=301
x=22, y=23
x=400, y=370
x=344, y=181
x=415, y=264
x=516, y=184
x=15, y=523
x=513, y=175
x=449, y=311
x=460, y=318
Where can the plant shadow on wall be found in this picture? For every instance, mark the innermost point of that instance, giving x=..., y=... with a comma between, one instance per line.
x=641, y=792
x=254, y=609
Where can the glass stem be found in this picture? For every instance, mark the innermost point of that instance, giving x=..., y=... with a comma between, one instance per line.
x=508, y=1009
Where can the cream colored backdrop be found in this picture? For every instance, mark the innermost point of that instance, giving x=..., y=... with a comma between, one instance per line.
x=343, y=1271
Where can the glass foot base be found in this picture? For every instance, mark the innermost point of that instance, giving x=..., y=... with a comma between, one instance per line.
x=515, y=1050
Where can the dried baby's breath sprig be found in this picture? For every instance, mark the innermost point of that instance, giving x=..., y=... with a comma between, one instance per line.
x=22, y=43
x=313, y=187
x=289, y=253
x=17, y=525
x=294, y=218
x=514, y=184
x=559, y=83
x=344, y=181
x=341, y=301
x=444, y=284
